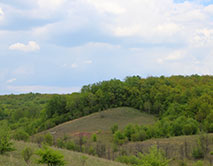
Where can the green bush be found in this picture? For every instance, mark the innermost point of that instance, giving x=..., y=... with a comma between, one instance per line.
x=5, y=141
x=50, y=157
x=114, y=128
x=198, y=163
x=94, y=137
x=198, y=153
x=48, y=139
x=119, y=138
x=155, y=157
x=21, y=135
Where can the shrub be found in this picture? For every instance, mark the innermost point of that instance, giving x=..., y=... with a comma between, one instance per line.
x=119, y=138
x=70, y=145
x=50, y=157
x=48, y=139
x=5, y=141
x=198, y=153
x=94, y=137
x=198, y=163
x=21, y=135
x=27, y=154
x=114, y=128
x=154, y=158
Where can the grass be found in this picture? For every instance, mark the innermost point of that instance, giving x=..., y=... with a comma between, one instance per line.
x=102, y=121
x=72, y=158
x=176, y=148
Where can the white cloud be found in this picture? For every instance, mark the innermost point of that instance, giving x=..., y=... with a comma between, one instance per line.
x=31, y=46
x=203, y=37
x=42, y=89
x=11, y=80
x=107, y=6
x=172, y=57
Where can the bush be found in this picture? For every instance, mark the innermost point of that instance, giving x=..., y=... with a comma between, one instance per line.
x=198, y=163
x=70, y=145
x=198, y=153
x=154, y=158
x=5, y=141
x=50, y=157
x=27, y=154
x=21, y=135
x=48, y=139
x=94, y=137
x=114, y=128
x=119, y=138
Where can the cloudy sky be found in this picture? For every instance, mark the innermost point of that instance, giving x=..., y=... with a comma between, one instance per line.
x=56, y=46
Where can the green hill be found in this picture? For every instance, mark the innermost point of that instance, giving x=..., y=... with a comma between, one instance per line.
x=102, y=121
x=72, y=158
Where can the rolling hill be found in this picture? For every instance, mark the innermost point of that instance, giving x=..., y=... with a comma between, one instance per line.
x=102, y=121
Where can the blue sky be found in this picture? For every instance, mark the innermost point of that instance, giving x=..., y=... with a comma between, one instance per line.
x=57, y=46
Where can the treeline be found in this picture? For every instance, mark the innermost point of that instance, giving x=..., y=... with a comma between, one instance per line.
x=189, y=97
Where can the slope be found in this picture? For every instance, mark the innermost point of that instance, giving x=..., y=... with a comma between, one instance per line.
x=102, y=121
x=72, y=158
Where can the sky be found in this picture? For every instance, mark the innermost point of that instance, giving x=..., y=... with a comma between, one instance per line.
x=57, y=46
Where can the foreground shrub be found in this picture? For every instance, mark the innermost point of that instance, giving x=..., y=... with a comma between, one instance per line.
x=50, y=157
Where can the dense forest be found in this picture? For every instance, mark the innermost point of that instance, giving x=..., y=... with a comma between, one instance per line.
x=183, y=105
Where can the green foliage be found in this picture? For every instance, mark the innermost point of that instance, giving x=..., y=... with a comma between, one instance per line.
x=114, y=128
x=198, y=163
x=198, y=153
x=155, y=157
x=163, y=128
x=27, y=154
x=50, y=157
x=119, y=138
x=186, y=102
x=94, y=137
x=48, y=139
x=5, y=142
x=20, y=134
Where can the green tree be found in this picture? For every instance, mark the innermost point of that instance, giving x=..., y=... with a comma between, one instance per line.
x=50, y=157
x=5, y=141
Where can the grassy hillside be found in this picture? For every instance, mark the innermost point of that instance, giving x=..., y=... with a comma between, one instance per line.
x=72, y=158
x=176, y=148
x=102, y=121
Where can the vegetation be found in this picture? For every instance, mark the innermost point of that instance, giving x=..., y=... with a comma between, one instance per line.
x=181, y=105
x=27, y=154
x=5, y=141
x=154, y=158
x=50, y=157
x=72, y=158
